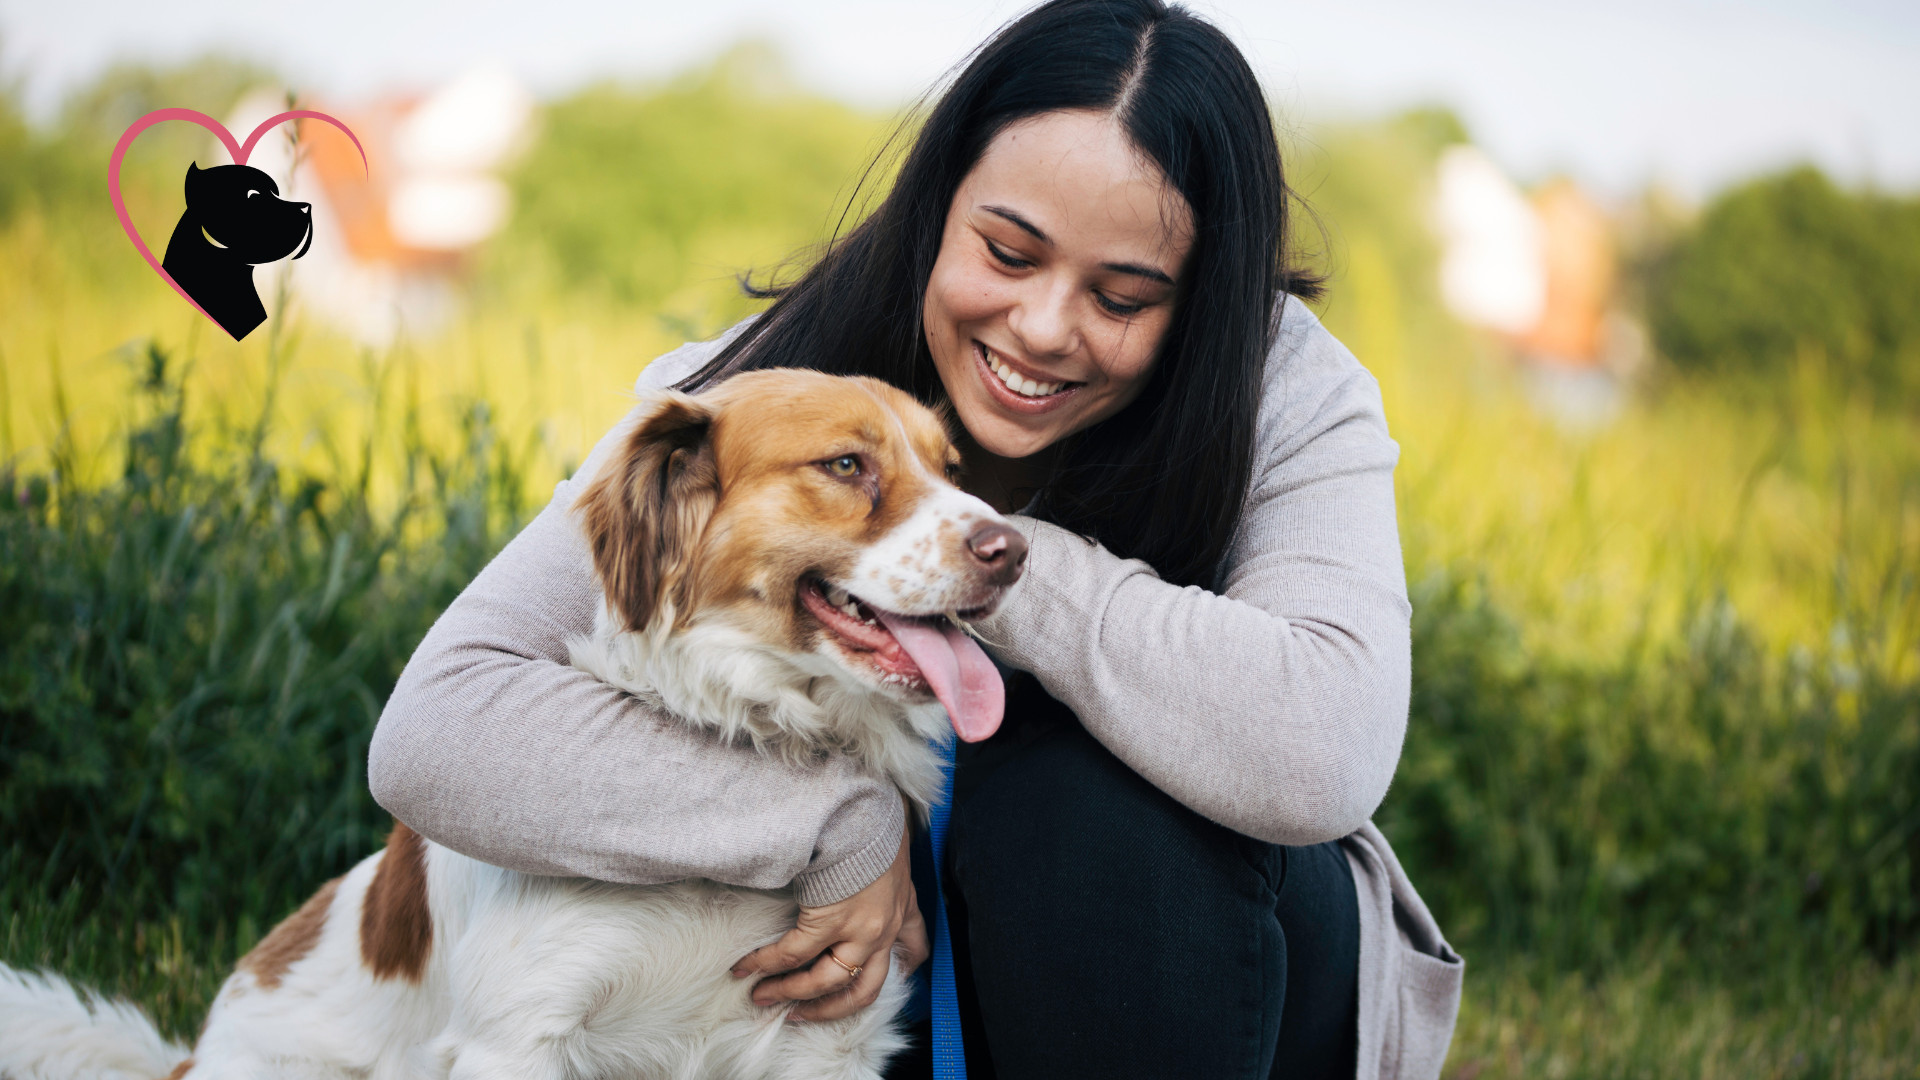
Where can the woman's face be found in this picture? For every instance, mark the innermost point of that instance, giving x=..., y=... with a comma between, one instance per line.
x=1055, y=281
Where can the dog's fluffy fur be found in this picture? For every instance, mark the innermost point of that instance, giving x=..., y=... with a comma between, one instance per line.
x=724, y=531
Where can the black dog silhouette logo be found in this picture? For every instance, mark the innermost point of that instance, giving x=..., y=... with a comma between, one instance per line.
x=235, y=220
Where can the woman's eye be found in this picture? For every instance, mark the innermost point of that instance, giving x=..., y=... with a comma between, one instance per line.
x=1006, y=259
x=1118, y=308
x=844, y=466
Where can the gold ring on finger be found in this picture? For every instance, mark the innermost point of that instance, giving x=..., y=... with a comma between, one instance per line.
x=853, y=970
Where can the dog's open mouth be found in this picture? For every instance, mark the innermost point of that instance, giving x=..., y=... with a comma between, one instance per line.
x=931, y=651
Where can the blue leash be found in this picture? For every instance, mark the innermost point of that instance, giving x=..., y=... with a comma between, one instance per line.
x=949, y=1057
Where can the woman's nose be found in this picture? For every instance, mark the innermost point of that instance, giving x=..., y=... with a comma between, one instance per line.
x=1044, y=320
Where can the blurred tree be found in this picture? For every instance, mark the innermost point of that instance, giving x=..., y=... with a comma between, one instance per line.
x=16, y=143
x=1432, y=127
x=98, y=112
x=634, y=192
x=1790, y=270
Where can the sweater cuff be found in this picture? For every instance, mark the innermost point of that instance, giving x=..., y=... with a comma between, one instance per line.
x=1058, y=601
x=822, y=885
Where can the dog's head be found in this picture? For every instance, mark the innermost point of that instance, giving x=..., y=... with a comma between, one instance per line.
x=239, y=210
x=816, y=518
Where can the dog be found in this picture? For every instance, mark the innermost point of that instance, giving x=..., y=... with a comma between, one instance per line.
x=785, y=560
x=235, y=220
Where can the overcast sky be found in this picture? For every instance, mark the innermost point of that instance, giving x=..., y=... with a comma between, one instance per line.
x=1690, y=92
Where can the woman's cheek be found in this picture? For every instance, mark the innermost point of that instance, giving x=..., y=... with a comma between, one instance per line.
x=983, y=293
x=960, y=293
x=1129, y=349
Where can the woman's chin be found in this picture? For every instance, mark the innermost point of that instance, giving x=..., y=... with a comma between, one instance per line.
x=1003, y=438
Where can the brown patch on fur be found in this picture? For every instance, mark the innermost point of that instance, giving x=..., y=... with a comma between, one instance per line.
x=396, y=927
x=181, y=1069
x=288, y=942
x=645, y=511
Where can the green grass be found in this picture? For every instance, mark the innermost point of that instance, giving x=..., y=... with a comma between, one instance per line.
x=1666, y=1016
x=196, y=653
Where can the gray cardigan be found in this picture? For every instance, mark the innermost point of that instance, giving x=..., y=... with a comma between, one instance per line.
x=1275, y=706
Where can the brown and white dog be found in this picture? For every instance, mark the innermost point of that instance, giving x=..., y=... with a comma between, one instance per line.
x=785, y=560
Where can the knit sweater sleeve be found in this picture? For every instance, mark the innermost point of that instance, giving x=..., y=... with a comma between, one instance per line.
x=493, y=745
x=1275, y=706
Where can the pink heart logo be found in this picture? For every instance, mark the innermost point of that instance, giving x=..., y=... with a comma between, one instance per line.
x=239, y=151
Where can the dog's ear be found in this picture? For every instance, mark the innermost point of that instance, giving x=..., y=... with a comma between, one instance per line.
x=646, y=510
x=193, y=182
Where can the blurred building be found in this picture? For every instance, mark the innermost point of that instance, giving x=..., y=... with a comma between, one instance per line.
x=392, y=240
x=1542, y=272
x=1491, y=270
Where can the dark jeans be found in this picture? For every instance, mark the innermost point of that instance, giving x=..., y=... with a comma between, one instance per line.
x=1101, y=929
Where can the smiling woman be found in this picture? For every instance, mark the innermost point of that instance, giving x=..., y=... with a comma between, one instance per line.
x=1161, y=864
x=1128, y=137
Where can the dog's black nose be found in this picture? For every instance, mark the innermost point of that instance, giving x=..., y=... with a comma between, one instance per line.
x=1000, y=550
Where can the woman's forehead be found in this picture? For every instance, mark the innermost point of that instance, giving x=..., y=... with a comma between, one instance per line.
x=1076, y=180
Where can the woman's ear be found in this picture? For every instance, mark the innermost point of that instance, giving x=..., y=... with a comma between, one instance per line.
x=644, y=513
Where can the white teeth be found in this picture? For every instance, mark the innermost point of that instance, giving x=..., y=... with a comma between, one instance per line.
x=844, y=602
x=1020, y=384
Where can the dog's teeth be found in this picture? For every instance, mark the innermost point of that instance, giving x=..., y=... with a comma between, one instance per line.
x=837, y=596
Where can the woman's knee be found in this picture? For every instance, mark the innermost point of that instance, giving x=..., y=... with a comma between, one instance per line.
x=1107, y=925
x=1064, y=818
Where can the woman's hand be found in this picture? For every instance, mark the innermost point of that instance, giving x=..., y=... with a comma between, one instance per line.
x=859, y=931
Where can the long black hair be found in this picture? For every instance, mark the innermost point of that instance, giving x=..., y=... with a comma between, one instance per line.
x=1163, y=480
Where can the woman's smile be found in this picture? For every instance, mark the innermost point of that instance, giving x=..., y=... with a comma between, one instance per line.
x=1017, y=387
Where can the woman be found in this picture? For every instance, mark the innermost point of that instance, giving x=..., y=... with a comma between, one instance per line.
x=1163, y=864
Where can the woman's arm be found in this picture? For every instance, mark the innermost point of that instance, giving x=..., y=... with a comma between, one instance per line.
x=1275, y=707
x=493, y=745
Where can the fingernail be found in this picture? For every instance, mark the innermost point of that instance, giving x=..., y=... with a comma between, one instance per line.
x=742, y=972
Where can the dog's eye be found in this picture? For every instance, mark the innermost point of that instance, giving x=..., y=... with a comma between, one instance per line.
x=251, y=193
x=953, y=473
x=846, y=465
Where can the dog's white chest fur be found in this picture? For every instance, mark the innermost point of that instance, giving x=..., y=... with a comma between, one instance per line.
x=726, y=680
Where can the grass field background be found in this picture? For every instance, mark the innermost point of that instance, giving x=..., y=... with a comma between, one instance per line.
x=1662, y=781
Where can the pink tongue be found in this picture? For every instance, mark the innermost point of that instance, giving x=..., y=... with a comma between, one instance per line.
x=959, y=674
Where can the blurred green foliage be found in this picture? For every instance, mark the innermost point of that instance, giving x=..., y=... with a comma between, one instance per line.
x=633, y=192
x=1696, y=793
x=65, y=165
x=1790, y=270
